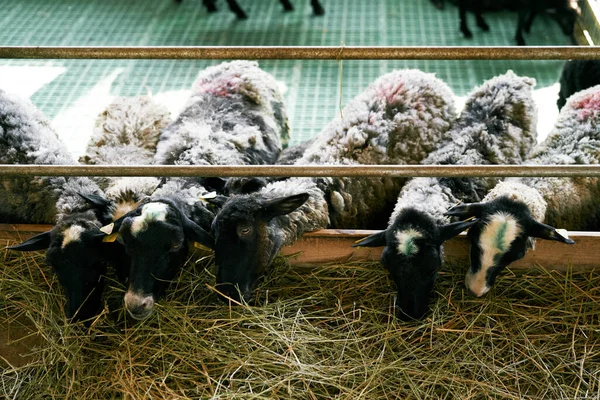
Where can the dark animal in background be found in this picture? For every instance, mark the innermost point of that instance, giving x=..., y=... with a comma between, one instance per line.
x=235, y=8
x=439, y=4
x=577, y=75
x=560, y=10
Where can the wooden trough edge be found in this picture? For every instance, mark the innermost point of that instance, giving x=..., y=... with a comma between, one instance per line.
x=333, y=246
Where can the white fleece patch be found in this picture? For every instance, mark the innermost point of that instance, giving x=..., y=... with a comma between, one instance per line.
x=498, y=234
x=406, y=241
x=72, y=234
x=150, y=212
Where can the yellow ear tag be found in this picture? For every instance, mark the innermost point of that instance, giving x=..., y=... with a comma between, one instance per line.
x=204, y=198
x=200, y=246
x=110, y=238
x=107, y=228
x=360, y=240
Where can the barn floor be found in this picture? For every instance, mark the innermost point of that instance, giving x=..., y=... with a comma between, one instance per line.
x=73, y=92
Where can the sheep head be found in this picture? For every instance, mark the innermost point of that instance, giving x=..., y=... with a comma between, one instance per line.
x=79, y=258
x=413, y=256
x=502, y=235
x=156, y=237
x=248, y=235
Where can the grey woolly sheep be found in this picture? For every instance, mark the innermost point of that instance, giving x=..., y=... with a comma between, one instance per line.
x=397, y=120
x=497, y=126
x=511, y=214
x=27, y=138
x=126, y=133
x=577, y=75
x=235, y=115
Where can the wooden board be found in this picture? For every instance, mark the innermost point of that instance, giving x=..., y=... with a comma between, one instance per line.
x=334, y=246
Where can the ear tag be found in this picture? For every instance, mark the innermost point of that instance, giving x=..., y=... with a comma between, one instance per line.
x=110, y=238
x=563, y=232
x=201, y=246
x=360, y=240
x=204, y=198
x=108, y=228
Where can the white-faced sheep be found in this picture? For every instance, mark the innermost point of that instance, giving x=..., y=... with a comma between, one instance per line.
x=497, y=126
x=397, y=120
x=27, y=138
x=511, y=214
x=236, y=115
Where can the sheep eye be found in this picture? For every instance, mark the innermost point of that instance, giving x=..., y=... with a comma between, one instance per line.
x=176, y=245
x=244, y=230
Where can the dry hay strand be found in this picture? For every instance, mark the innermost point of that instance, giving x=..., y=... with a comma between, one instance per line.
x=314, y=333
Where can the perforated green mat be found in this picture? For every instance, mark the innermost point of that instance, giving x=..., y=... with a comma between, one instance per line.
x=72, y=92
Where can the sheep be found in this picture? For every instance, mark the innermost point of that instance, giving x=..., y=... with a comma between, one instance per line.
x=562, y=11
x=497, y=126
x=398, y=119
x=125, y=133
x=577, y=75
x=511, y=214
x=241, y=14
x=27, y=138
x=235, y=115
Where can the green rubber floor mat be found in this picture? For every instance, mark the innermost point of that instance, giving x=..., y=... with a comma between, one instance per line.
x=72, y=92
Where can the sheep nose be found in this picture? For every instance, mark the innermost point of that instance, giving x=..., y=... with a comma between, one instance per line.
x=138, y=305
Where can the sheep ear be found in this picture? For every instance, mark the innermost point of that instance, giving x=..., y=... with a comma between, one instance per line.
x=195, y=233
x=218, y=200
x=284, y=205
x=449, y=231
x=374, y=240
x=95, y=200
x=38, y=242
x=544, y=231
x=467, y=210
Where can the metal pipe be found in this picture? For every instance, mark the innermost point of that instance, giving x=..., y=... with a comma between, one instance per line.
x=306, y=52
x=406, y=171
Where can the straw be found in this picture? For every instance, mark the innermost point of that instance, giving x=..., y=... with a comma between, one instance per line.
x=313, y=333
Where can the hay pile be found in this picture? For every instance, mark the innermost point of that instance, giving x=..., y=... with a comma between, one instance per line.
x=317, y=333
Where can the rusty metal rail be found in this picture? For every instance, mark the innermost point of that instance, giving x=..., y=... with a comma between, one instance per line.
x=306, y=52
x=406, y=171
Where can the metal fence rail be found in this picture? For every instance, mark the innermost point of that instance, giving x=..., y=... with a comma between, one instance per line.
x=307, y=52
x=406, y=171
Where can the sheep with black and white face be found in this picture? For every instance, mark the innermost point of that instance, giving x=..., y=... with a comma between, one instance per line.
x=518, y=210
x=497, y=126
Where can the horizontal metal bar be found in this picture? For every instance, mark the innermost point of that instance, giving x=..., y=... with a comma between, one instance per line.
x=306, y=52
x=406, y=171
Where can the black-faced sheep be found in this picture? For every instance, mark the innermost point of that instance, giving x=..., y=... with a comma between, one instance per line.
x=27, y=138
x=399, y=119
x=235, y=8
x=236, y=115
x=577, y=75
x=497, y=126
x=126, y=133
x=511, y=215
